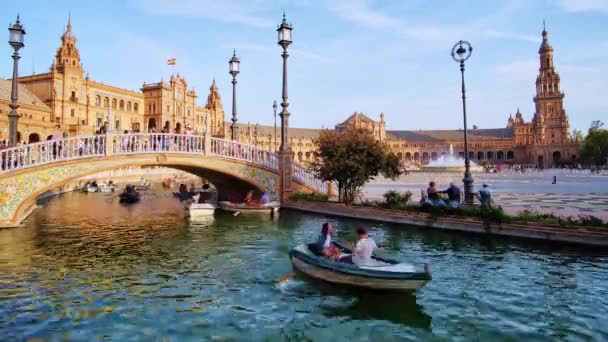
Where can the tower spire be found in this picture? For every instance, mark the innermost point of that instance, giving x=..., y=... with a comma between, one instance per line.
x=69, y=27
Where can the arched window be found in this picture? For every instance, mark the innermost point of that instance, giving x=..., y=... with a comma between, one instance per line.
x=128, y=106
x=121, y=105
x=98, y=100
x=114, y=103
x=106, y=102
x=136, y=107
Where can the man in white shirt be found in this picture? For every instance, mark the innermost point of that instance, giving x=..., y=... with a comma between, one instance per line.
x=362, y=250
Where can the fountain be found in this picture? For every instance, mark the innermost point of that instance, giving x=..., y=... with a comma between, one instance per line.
x=449, y=163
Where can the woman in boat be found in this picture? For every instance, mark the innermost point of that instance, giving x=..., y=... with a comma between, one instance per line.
x=249, y=200
x=323, y=246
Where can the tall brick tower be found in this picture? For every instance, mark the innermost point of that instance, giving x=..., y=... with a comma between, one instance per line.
x=550, y=120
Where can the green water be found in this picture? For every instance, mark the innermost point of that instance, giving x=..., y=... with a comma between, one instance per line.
x=86, y=268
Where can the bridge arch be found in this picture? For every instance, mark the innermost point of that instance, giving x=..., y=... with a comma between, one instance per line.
x=31, y=170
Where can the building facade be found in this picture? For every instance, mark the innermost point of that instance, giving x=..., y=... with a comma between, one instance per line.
x=543, y=142
x=67, y=100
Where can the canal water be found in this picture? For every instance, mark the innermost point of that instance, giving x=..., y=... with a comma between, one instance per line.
x=86, y=268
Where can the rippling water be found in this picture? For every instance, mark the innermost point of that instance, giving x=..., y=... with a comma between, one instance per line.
x=87, y=268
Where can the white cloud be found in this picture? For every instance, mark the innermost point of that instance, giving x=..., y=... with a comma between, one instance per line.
x=511, y=36
x=517, y=71
x=247, y=12
x=585, y=5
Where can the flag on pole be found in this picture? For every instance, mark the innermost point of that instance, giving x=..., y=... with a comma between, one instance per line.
x=171, y=61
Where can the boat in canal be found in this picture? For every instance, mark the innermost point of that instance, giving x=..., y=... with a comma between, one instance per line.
x=109, y=187
x=268, y=208
x=129, y=195
x=200, y=209
x=381, y=275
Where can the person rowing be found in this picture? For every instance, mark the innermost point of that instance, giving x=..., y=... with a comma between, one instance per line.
x=363, y=249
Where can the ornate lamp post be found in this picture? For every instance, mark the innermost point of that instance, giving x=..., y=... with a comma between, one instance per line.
x=16, y=41
x=274, y=108
x=284, y=31
x=460, y=53
x=234, y=70
x=255, y=135
x=285, y=152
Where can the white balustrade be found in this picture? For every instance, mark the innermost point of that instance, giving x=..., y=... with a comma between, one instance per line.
x=301, y=174
x=138, y=143
x=46, y=152
x=236, y=150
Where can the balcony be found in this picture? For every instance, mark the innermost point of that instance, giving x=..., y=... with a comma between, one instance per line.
x=73, y=99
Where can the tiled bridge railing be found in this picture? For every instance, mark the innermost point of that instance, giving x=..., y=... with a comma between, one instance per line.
x=82, y=147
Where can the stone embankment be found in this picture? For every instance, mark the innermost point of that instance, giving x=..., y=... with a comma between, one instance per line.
x=577, y=235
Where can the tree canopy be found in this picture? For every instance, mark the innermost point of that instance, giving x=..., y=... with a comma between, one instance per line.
x=594, y=148
x=351, y=159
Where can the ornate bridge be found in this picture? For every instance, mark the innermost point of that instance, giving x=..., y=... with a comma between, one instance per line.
x=29, y=170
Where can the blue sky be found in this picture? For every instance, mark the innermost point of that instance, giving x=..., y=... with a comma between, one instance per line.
x=372, y=56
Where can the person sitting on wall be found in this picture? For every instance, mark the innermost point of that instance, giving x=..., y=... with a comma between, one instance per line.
x=433, y=195
x=453, y=193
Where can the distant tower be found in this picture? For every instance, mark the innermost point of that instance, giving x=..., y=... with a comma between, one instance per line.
x=214, y=105
x=67, y=58
x=550, y=119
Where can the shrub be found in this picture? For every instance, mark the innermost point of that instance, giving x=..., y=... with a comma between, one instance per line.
x=396, y=200
x=308, y=196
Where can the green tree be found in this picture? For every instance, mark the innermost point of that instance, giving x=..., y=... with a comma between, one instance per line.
x=351, y=159
x=594, y=148
x=577, y=135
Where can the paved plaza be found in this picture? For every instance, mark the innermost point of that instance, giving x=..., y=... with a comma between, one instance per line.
x=575, y=193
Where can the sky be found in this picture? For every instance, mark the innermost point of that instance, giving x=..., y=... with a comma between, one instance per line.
x=371, y=56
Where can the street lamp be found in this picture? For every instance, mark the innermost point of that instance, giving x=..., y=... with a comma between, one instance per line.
x=16, y=34
x=284, y=37
x=460, y=53
x=234, y=70
x=274, y=108
x=255, y=135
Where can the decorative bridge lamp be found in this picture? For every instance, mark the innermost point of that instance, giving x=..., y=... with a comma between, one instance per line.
x=460, y=53
x=285, y=153
x=15, y=39
x=234, y=70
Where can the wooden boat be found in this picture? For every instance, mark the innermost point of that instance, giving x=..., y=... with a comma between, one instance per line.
x=182, y=195
x=106, y=188
x=200, y=209
x=129, y=197
x=142, y=187
x=382, y=275
x=91, y=188
x=269, y=208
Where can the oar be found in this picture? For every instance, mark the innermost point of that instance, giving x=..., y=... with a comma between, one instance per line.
x=284, y=278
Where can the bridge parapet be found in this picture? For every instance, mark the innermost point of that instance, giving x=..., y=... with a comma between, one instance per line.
x=46, y=152
x=30, y=156
x=235, y=150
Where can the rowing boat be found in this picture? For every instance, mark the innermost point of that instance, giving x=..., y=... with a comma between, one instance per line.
x=382, y=274
x=268, y=208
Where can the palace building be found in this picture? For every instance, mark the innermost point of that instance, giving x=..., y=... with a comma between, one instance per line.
x=543, y=142
x=66, y=99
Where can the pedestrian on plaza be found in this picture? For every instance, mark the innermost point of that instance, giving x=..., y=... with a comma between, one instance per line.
x=484, y=195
